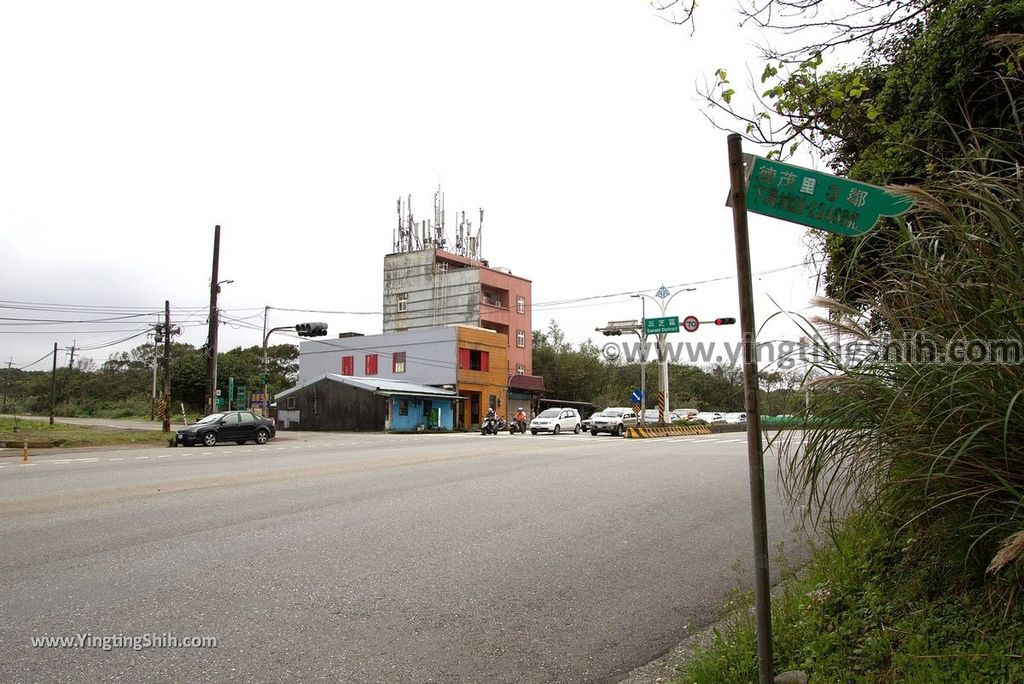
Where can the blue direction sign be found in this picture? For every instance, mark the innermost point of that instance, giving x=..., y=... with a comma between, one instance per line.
x=636, y=396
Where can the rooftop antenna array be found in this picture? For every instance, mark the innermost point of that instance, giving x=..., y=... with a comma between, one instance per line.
x=411, y=235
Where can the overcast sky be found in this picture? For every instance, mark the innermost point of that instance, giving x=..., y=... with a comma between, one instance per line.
x=131, y=129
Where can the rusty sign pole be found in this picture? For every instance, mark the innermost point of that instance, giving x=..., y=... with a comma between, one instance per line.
x=755, y=457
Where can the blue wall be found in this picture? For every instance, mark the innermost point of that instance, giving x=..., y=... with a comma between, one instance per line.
x=417, y=416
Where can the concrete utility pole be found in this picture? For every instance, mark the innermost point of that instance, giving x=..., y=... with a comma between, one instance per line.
x=211, y=347
x=156, y=354
x=642, y=334
x=71, y=368
x=53, y=384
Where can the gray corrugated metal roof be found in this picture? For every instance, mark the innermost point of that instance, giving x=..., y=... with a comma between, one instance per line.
x=377, y=385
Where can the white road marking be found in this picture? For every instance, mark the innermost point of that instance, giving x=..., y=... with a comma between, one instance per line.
x=24, y=465
x=164, y=455
x=86, y=460
x=119, y=458
x=137, y=458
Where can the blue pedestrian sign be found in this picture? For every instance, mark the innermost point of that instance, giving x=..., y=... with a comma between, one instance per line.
x=636, y=396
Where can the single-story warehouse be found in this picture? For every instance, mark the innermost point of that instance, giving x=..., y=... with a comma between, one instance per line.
x=340, y=402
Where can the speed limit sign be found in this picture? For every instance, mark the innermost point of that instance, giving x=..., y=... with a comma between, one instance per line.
x=690, y=324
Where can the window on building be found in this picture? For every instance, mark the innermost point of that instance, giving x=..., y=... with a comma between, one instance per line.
x=521, y=304
x=398, y=362
x=291, y=403
x=348, y=365
x=474, y=359
x=370, y=363
x=441, y=267
x=403, y=407
x=520, y=369
x=521, y=338
x=403, y=301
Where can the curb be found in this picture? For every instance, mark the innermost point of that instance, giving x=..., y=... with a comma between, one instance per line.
x=668, y=431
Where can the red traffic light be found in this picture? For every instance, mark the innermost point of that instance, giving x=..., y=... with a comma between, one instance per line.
x=725, y=321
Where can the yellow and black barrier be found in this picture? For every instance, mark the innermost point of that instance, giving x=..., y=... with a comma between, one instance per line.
x=667, y=431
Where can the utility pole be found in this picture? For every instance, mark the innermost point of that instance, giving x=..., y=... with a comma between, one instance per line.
x=211, y=347
x=264, y=371
x=53, y=384
x=165, y=404
x=156, y=356
x=71, y=368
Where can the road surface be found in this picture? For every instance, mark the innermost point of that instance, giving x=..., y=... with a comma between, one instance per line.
x=371, y=557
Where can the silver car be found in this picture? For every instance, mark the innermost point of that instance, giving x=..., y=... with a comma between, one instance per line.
x=613, y=421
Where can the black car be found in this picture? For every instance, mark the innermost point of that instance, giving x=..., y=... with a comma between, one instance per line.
x=233, y=426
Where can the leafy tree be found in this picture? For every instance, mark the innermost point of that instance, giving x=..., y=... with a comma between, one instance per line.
x=936, y=79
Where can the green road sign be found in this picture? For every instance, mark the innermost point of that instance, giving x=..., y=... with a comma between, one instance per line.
x=819, y=200
x=659, y=326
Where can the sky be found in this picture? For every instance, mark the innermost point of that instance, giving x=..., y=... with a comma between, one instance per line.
x=132, y=129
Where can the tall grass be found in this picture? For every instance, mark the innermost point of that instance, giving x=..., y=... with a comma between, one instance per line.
x=935, y=444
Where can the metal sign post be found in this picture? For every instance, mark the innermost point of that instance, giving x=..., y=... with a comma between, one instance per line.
x=755, y=461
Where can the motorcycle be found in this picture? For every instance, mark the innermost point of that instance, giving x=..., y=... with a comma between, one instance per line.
x=492, y=425
x=517, y=426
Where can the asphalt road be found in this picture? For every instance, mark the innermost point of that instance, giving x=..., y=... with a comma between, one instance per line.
x=371, y=557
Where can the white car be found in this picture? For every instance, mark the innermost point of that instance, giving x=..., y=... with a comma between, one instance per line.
x=735, y=418
x=651, y=417
x=556, y=420
x=711, y=417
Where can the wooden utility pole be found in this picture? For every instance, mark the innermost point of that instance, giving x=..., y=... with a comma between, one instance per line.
x=165, y=404
x=211, y=348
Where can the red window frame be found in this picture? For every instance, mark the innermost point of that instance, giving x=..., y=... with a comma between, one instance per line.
x=398, y=362
x=370, y=364
x=348, y=365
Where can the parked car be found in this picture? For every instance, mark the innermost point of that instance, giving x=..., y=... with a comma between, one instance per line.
x=613, y=421
x=684, y=414
x=651, y=417
x=556, y=420
x=735, y=418
x=231, y=426
x=711, y=417
x=589, y=422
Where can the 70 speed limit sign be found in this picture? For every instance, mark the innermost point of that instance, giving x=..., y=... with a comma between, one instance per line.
x=690, y=324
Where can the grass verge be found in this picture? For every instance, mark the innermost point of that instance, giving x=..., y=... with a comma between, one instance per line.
x=65, y=435
x=858, y=613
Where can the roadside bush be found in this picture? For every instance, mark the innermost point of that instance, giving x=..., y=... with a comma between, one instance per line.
x=934, y=389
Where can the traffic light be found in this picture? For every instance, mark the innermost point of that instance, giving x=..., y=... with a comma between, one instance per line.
x=311, y=329
x=725, y=321
x=611, y=333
